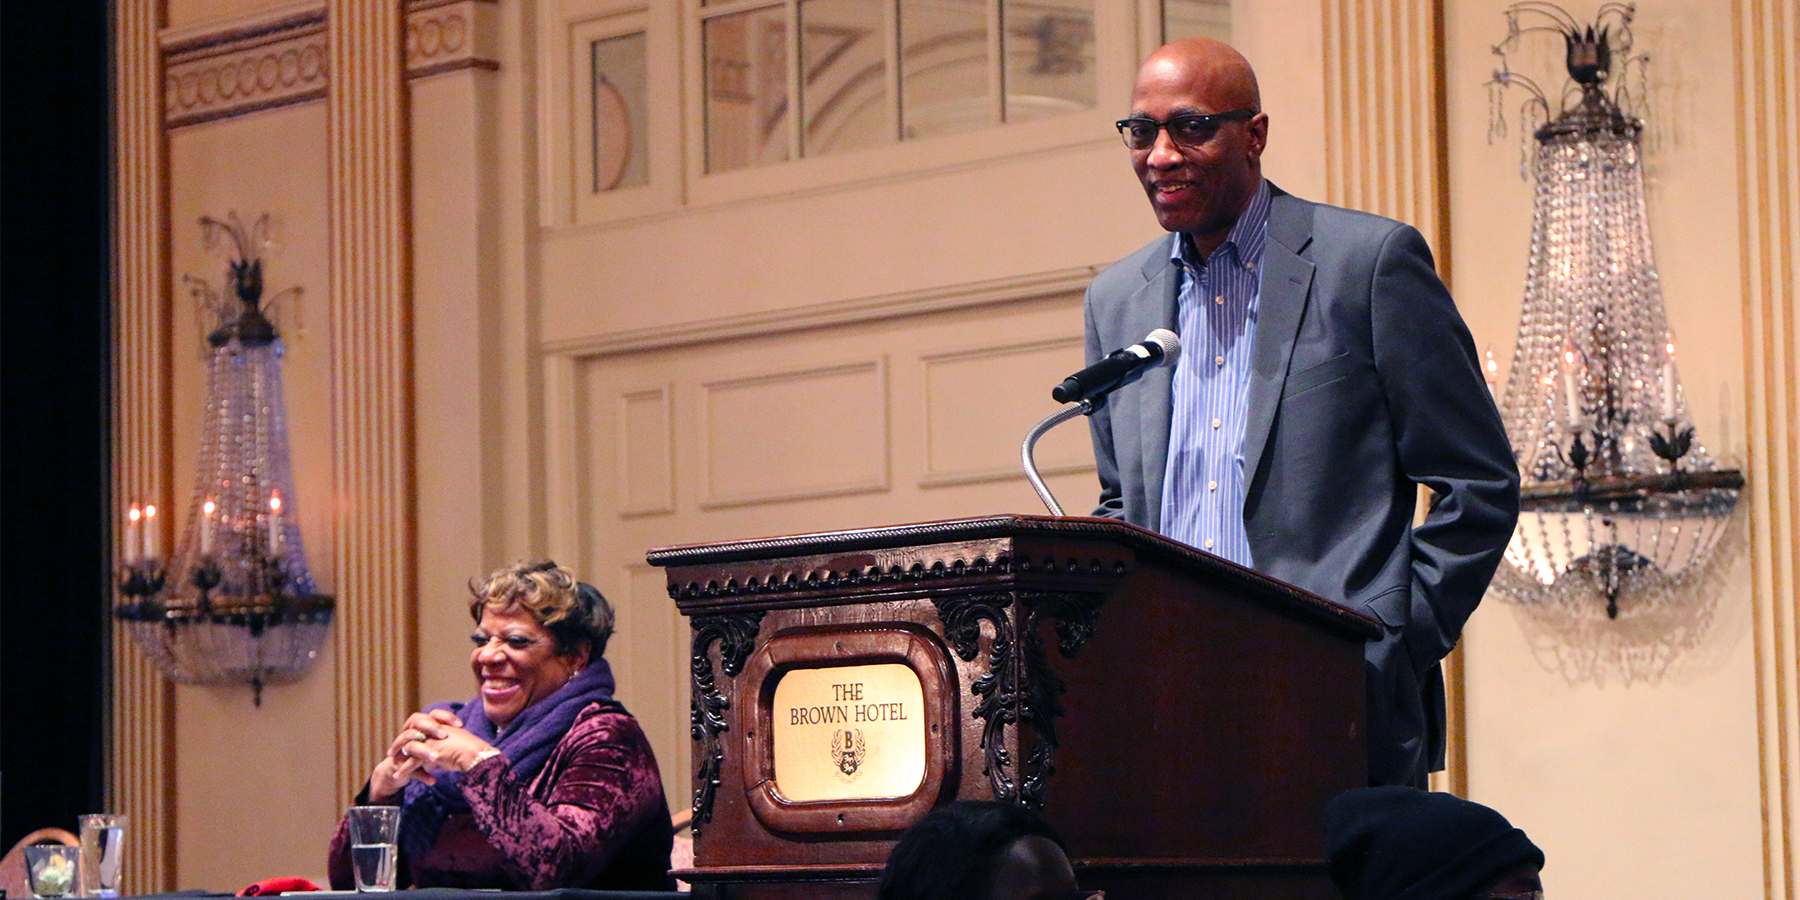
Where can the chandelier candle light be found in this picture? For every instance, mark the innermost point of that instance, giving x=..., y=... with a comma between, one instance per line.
x=1622, y=508
x=236, y=602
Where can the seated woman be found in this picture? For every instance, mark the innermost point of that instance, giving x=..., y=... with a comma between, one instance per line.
x=544, y=780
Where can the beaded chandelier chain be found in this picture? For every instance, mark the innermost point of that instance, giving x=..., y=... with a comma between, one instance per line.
x=1623, y=509
x=236, y=602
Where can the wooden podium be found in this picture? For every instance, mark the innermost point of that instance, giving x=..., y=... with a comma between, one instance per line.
x=1180, y=719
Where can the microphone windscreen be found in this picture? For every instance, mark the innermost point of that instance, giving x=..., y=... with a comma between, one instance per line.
x=1168, y=341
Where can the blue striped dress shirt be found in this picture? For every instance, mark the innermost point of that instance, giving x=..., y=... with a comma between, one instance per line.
x=1203, y=485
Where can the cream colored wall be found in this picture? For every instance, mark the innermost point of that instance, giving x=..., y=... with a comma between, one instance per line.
x=1284, y=41
x=459, y=328
x=237, y=762
x=592, y=390
x=188, y=13
x=1647, y=789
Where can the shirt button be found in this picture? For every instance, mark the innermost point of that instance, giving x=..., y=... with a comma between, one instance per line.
x=1218, y=360
x=1209, y=543
x=1216, y=423
x=1219, y=299
x=1212, y=485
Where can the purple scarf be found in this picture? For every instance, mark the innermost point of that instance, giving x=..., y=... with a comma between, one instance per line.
x=527, y=745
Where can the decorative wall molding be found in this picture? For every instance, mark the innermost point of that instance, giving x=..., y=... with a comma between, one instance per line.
x=450, y=35
x=758, y=447
x=646, y=451
x=1766, y=34
x=951, y=420
x=281, y=56
x=967, y=295
x=269, y=60
x=141, y=751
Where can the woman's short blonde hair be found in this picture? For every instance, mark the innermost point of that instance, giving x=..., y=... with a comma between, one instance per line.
x=575, y=613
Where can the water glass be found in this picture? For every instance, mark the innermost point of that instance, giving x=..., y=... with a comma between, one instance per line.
x=102, y=843
x=373, y=853
x=50, y=869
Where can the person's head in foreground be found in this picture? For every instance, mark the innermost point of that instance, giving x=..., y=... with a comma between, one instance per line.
x=1401, y=843
x=980, y=850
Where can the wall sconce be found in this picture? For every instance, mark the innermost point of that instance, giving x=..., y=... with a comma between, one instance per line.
x=1623, y=510
x=236, y=602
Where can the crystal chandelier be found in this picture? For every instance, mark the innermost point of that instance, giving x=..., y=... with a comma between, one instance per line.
x=236, y=602
x=1623, y=509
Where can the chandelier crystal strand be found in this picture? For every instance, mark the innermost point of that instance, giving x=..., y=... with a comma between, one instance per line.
x=1623, y=511
x=236, y=601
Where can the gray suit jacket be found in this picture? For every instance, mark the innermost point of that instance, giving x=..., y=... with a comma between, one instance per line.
x=1364, y=384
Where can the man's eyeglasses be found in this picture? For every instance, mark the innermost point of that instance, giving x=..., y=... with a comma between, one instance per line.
x=1188, y=130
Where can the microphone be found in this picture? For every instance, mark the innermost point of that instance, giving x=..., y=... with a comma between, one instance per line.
x=1120, y=367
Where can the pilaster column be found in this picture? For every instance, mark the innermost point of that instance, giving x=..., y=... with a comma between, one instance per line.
x=1384, y=113
x=139, y=753
x=1768, y=119
x=1385, y=136
x=373, y=545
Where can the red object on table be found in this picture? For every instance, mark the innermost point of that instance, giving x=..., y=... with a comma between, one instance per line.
x=272, y=886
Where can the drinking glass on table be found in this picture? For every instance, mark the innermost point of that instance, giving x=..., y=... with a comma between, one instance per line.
x=50, y=870
x=102, y=845
x=373, y=852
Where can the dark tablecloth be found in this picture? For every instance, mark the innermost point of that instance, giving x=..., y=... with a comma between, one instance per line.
x=455, y=894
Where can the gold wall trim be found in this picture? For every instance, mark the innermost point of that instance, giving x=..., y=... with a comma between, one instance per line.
x=450, y=35
x=238, y=67
x=1768, y=121
x=1385, y=124
x=140, y=759
x=280, y=57
x=831, y=314
x=374, y=546
x=1386, y=132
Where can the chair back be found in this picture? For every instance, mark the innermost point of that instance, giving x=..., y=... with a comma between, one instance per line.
x=681, y=855
x=12, y=866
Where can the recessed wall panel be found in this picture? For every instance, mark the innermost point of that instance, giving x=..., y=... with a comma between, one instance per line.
x=798, y=434
x=646, y=452
x=980, y=401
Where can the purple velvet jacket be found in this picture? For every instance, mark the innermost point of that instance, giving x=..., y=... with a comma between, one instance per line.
x=594, y=817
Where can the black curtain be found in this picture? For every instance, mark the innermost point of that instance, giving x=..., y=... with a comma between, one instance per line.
x=55, y=591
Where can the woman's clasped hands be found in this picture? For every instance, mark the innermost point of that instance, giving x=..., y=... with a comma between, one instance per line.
x=430, y=742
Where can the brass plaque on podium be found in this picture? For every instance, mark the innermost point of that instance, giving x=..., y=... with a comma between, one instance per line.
x=848, y=733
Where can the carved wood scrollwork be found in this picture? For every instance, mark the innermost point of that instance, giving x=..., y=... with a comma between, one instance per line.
x=735, y=633
x=1074, y=616
x=998, y=689
x=1019, y=686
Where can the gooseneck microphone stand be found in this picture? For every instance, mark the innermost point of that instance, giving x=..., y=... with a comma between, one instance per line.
x=1084, y=407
